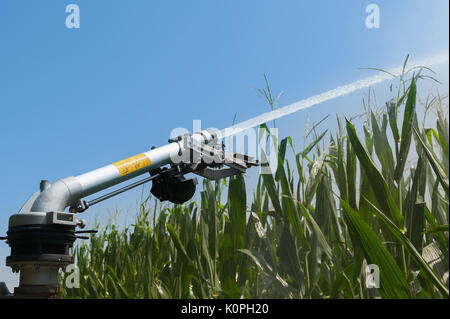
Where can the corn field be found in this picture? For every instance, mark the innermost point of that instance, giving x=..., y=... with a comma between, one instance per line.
x=346, y=201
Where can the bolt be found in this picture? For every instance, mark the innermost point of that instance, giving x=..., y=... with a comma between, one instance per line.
x=44, y=185
x=81, y=223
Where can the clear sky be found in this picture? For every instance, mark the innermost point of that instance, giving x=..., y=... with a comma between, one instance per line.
x=73, y=100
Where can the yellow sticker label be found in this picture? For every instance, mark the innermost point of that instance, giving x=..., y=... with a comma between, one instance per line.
x=132, y=164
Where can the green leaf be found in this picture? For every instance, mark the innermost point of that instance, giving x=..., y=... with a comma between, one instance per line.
x=382, y=148
x=379, y=186
x=413, y=251
x=318, y=232
x=405, y=143
x=443, y=179
x=392, y=111
x=262, y=264
x=351, y=175
x=312, y=144
x=441, y=228
x=269, y=184
x=392, y=282
x=414, y=205
x=177, y=242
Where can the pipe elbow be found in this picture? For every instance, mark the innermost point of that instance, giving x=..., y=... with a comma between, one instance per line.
x=58, y=196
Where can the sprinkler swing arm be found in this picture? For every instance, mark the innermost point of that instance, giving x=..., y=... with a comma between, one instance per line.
x=41, y=234
x=170, y=183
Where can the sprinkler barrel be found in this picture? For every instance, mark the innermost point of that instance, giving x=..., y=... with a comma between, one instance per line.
x=42, y=233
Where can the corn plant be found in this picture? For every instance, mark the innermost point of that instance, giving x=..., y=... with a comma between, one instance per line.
x=351, y=200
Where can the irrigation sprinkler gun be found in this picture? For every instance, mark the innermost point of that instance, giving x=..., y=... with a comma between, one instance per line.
x=42, y=233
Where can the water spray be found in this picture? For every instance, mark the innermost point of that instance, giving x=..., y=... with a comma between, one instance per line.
x=329, y=95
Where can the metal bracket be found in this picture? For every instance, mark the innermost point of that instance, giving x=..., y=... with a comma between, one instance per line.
x=215, y=157
x=216, y=174
x=61, y=218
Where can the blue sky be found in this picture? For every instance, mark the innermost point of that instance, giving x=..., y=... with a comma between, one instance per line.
x=73, y=100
